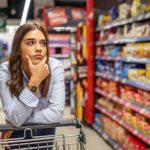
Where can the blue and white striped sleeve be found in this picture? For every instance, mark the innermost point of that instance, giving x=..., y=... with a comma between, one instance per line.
x=54, y=111
x=17, y=110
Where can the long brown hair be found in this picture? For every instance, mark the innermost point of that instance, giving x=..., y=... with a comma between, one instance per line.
x=16, y=81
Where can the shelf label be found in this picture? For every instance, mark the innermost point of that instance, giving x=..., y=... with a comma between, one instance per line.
x=135, y=132
x=105, y=136
x=103, y=110
x=124, y=80
x=115, y=146
x=140, y=17
x=114, y=117
x=116, y=78
x=116, y=98
x=142, y=110
x=121, y=122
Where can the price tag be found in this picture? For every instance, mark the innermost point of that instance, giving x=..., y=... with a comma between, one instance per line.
x=118, y=58
x=148, y=15
x=108, y=58
x=128, y=59
x=130, y=20
x=116, y=78
x=140, y=17
x=121, y=122
x=115, y=146
x=135, y=132
x=105, y=136
x=115, y=98
x=104, y=75
x=124, y=80
x=107, y=76
x=104, y=111
x=142, y=110
x=127, y=104
x=114, y=117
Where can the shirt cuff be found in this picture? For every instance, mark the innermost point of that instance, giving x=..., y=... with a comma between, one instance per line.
x=28, y=98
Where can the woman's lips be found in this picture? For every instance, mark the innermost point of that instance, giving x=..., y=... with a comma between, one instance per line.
x=38, y=56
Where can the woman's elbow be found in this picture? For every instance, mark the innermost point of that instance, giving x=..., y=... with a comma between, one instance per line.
x=15, y=122
x=60, y=115
x=15, y=119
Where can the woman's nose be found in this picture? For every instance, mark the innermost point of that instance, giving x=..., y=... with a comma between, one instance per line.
x=38, y=47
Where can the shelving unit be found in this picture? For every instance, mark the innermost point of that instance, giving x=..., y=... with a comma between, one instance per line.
x=124, y=124
x=5, y=37
x=61, y=23
x=123, y=80
x=60, y=48
x=141, y=17
x=134, y=106
x=121, y=92
x=3, y=50
x=123, y=41
x=106, y=137
x=121, y=59
x=81, y=71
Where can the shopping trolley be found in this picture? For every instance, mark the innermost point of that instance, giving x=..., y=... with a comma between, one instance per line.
x=75, y=141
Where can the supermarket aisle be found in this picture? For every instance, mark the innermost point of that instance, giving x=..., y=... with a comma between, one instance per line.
x=94, y=142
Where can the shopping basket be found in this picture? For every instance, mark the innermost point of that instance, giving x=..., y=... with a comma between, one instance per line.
x=76, y=141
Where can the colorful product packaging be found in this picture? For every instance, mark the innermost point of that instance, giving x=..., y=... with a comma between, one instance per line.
x=147, y=73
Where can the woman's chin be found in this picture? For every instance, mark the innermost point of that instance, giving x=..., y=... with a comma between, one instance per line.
x=36, y=61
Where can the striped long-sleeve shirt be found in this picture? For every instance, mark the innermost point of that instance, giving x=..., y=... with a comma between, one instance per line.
x=29, y=107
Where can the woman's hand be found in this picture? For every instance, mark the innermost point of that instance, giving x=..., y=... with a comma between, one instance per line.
x=38, y=72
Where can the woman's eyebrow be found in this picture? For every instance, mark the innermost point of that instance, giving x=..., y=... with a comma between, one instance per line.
x=34, y=39
x=29, y=39
x=43, y=40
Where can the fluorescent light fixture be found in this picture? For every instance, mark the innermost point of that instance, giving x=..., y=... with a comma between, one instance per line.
x=25, y=12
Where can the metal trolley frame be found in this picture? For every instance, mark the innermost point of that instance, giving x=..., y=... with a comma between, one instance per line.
x=47, y=142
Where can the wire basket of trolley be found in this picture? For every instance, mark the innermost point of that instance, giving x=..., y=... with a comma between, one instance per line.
x=75, y=141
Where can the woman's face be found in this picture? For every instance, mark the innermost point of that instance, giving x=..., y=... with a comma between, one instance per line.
x=33, y=44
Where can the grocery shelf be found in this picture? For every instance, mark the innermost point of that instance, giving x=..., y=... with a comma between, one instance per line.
x=140, y=109
x=82, y=68
x=106, y=35
x=82, y=71
x=74, y=62
x=141, y=17
x=58, y=45
x=123, y=40
x=59, y=42
x=106, y=137
x=123, y=124
x=123, y=80
x=128, y=59
x=65, y=29
x=82, y=75
x=60, y=55
x=108, y=58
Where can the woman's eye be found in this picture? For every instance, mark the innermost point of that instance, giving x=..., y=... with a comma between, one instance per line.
x=43, y=43
x=30, y=42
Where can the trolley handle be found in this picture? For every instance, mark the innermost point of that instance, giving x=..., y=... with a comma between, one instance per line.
x=73, y=122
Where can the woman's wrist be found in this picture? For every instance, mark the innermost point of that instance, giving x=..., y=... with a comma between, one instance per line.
x=33, y=82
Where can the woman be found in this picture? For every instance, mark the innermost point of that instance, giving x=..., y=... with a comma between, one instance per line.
x=32, y=86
